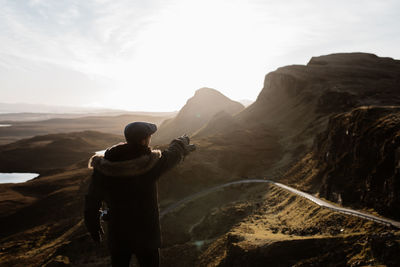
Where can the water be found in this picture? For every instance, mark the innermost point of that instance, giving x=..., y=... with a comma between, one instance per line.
x=16, y=177
x=5, y=125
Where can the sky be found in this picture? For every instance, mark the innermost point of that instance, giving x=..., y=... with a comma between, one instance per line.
x=152, y=55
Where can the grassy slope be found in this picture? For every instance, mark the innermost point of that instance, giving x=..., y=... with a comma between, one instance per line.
x=275, y=227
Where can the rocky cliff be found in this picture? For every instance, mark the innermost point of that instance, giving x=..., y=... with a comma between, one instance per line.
x=297, y=100
x=356, y=161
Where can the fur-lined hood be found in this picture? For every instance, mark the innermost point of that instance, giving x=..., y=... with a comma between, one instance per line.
x=133, y=167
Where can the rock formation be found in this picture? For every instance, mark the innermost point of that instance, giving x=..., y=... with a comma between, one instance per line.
x=356, y=161
x=197, y=111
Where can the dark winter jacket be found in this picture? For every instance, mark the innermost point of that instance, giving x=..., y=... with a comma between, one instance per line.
x=125, y=179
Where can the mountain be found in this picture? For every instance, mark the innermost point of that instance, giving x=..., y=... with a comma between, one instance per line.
x=296, y=96
x=314, y=106
x=297, y=100
x=280, y=127
x=197, y=111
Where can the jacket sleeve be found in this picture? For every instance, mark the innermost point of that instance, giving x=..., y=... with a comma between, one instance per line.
x=171, y=156
x=93, y=201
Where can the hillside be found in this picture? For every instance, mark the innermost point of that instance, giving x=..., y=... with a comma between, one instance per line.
x=355, y=162
x=46, y=153
x=197, y=111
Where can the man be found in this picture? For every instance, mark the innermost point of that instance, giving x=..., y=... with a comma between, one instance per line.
x=125, y=180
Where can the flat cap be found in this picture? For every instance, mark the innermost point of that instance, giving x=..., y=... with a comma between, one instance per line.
x=136, y=131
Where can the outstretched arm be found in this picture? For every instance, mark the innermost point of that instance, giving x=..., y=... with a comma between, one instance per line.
x=175, y=153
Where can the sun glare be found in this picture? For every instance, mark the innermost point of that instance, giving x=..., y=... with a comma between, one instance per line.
x=191, y=45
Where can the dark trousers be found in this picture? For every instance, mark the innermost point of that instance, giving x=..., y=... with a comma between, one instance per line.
x=146, y=257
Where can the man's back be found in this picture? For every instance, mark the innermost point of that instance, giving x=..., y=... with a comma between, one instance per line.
x=125, y=179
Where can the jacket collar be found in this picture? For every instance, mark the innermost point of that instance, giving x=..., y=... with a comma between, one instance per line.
x=133, y=167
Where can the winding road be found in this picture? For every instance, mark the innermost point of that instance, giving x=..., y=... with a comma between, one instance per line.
x=312, y=198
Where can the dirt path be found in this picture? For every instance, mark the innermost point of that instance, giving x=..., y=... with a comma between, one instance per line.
x=312, y=198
